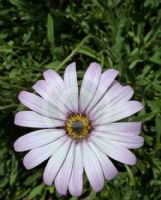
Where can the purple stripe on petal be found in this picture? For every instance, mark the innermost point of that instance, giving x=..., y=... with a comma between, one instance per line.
x=55, y=81
x=108, y=168
x=37, y=138
x=114, y=150
x=34, y=120
x=117, y=112
x=48, y=93
x=112, y=92
x=76, y=179
x=92, y=167
x=55, y=162
x=132, y=128
x=106, y=80
x=63, y=176
x=38, y=155
x=89, y=85
x=128, y=141
x=71, y=86
x=40, y=105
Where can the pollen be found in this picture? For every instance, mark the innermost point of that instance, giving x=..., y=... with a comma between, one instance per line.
x=78, y=126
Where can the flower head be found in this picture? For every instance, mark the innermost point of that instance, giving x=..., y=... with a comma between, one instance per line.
x=80, y=130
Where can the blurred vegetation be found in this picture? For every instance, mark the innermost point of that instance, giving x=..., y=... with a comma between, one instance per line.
x=36, y=35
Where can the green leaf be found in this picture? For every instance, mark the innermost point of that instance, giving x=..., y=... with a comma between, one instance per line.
x=158, y=131
x=87, y=51
x=92, y=196
x=156, y=58
x=36, y=191
x=50, y=30
x=31, y=179
x=144, y=118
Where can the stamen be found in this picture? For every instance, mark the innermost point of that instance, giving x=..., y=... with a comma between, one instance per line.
x=78, y=126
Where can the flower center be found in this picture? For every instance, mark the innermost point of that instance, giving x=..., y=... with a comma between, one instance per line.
x=78, y=126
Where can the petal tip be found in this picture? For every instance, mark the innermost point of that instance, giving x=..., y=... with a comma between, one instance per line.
x=112, y=177
x=47, y=73
x=26, y=164
x=71, y=67
x=15, y=146
x=46, y=180
x=95, y=65
x=114, y=71
x=133, y=161
x=139, y=105
x=17, y=118
x=21, y=95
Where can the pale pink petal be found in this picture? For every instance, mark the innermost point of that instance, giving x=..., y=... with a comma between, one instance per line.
x=125, y=140
x=37, y=138
x=108, y=167
x=112, y=92
x=47, y=92
x=106, y=80
x=38, y=155
x=124, y=94
x=35, y=120
x=118, y=112
x=89, y=85
x=76, y=179
x=55, y=162
x=92, y=167
x=114, y=150
x=63, y=176
x=40, y=105
x=132, y=128
x=71, y=86
x=55, y=81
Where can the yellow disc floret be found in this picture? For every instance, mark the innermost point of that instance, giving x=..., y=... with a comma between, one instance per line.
x=78, y=126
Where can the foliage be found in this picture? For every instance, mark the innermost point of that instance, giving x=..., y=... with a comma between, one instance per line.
x=36, y=35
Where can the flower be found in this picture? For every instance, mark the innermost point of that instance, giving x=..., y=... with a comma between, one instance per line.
x=79, y=132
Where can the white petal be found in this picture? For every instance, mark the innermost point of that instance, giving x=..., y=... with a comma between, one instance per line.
x=71, y=86
x=76, y=179
x=125, y=140
x=63, y=176
x=89, y=85
x=92, y=168
x=110, y=94
x=48, y=93
x=39, y=155
x=37, y=138
x=118, y=112
x=132, y=128
x=35, y=120
x=55, y=162
x=54, y=80
x=106, y=80
x=40, y=105
x=125, y=94
x=115, y=151
x=108, y=168
x=57, y=84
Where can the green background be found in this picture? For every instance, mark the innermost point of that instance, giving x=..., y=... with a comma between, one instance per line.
x=37, y=35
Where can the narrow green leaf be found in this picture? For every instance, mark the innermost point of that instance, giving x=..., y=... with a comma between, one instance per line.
x=158, y=131
x=50, y=30
x=36, y=191
x=92, y=196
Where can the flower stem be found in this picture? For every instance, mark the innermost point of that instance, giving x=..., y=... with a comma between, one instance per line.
x=73, y=52
x=130, y=175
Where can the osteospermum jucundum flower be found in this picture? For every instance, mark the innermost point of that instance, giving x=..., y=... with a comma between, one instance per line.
x=80, y=131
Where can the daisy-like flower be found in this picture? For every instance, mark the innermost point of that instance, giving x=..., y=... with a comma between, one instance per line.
x=79, y=131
